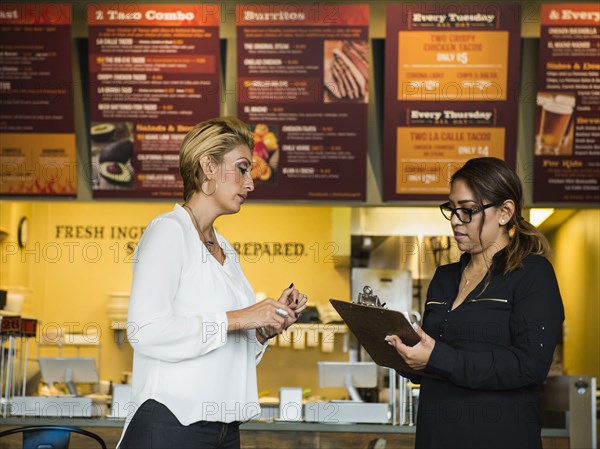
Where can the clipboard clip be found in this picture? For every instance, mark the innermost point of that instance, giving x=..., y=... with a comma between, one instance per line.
x=367, y=298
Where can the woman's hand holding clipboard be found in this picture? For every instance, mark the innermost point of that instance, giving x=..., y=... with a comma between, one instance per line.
x=372, y=324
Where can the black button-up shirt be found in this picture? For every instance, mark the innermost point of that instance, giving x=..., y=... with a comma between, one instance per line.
x=491, y=352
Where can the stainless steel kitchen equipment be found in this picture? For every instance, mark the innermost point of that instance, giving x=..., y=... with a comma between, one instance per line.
x=570, y=402
x=15, y=333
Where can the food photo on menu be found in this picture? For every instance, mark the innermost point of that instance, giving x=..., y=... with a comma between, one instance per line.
x=346, y=71
x=112, y=152
x=265, y=157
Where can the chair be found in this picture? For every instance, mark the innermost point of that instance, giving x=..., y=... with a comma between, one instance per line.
x=49, y=437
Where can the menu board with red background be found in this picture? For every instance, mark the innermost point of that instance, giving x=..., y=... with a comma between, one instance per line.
x=303, y=74
x=37, y=131
x=567, y=134
x=154, y=74
x=451, y=92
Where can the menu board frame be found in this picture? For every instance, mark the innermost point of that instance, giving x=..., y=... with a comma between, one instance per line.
x=151, y=68
x=435, y=116
x=303, y=88
x=38, y=154
x=566, y=149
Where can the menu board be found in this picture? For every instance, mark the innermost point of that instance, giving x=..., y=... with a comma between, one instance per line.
x=567, y=134
x=303, y=87
x=37, y=131
x=154, y=74
x=451, y=92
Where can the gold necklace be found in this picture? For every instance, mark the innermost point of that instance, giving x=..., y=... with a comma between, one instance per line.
x=468, y=280
x=208, y=243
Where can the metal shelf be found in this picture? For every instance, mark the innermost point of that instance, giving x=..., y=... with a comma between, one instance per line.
x=78, y=342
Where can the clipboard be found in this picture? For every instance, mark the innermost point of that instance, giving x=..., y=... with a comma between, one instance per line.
x=371, y=324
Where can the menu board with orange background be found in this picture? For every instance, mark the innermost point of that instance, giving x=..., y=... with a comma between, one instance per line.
x=303, y=76
x=37, y=131
x=567, y=134
x=154, y=74
x=451, y=92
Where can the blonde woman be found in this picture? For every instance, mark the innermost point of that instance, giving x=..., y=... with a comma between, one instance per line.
x=194, y=324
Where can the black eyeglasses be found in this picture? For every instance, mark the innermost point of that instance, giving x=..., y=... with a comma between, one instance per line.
x=464, y=214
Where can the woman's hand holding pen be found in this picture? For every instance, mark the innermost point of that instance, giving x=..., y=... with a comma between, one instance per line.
x=290, y=299
x=269, y=317
x=295, y=301
x=416, y=356
x=269, y=314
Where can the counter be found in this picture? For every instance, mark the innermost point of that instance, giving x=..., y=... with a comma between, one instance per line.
x=282, y=435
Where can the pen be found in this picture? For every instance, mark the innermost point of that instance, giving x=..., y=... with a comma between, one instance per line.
x=289, y=296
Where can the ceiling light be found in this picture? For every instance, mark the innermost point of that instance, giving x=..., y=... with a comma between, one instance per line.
x=538, y=215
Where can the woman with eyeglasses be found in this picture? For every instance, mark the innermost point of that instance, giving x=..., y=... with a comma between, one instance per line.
x=491, y=321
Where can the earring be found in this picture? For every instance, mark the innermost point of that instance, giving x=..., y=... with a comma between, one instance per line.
x=501, y=222
x=204, y=187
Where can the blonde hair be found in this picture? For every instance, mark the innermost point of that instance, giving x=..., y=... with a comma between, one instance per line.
x=213, y=138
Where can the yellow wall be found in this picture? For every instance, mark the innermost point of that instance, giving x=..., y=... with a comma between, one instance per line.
x=71, y=276
x=576, y=245
x=10, y=215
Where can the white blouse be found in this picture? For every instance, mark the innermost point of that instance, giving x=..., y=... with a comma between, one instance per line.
x=177, y=324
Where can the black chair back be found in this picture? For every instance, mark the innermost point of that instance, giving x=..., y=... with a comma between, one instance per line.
x=50, y=437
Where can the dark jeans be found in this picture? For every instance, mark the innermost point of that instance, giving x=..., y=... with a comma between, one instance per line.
x=154, y=427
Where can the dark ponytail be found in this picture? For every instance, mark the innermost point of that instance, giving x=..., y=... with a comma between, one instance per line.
x=493, y=181
x=525, y=239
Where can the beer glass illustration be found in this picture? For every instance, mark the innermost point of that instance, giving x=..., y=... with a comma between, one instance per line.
x=555, y=119
x=541, y=98
x=568, y=100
